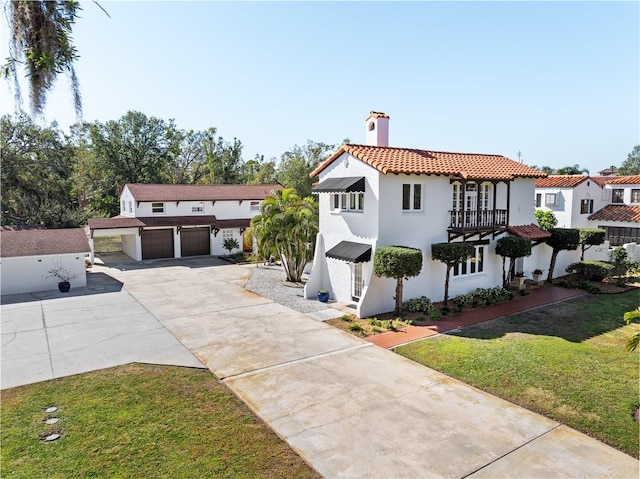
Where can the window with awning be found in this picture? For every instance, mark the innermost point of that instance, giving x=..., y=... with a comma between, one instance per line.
x=340, y=185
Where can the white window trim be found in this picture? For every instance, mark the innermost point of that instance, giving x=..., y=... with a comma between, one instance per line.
x=344, y=202
x=411, y=209
x=457, y=271
x=555, y=199
x=157, y=212
x=254, y=206
x=197, y=207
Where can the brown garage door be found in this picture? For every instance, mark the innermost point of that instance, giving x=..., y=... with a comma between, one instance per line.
x=194, y=241
x=157, y=244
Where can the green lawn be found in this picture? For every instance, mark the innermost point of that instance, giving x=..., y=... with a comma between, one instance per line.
x=566, y=361
x=140, y=421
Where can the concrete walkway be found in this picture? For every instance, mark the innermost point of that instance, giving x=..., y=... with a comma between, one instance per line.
x=351, y=408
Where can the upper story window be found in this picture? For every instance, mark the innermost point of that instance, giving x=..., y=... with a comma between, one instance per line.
x=347, y=201
x=586, y=207
x=635, y=195
x=550, y=199
x=130, y=206
x=157, y=208
x=538, y=200
x=471, y=197
x=254, y=206
x=123, y=207
x=473, y=265
x=197, y=206
x=412, y=197
x=617, y=195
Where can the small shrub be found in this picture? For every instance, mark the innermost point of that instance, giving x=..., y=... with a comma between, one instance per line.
x=356, y=328
x=564, y=283
x=346, y=318
x=525, y=292
x=591, y=270
x=386, y=324
x=238, y=257
x=588, y=287
x=418, y=305
x=462, y=300
x=375, y=322
x=435, y=315
x=376, y=329
x=230, y=244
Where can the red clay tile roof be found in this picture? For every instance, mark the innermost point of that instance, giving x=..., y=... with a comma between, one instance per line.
x=159, y=192
x=560, y=181
x=36, y=242
x=623, y=180
x=600, y=180
x=533, y=232
x=463, y=165
x=617, y=213
x=376, y=114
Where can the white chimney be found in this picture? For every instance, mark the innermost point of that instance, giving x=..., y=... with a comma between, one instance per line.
x=377, y=129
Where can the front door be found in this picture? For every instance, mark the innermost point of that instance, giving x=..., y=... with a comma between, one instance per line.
x=356, y=281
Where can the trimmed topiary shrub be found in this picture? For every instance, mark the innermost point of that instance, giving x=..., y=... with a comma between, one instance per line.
x=397, y=262
x=591, y=270
x=451, y=254
x=512, y=247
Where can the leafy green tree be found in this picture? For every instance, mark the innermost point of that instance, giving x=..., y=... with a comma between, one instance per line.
x=631, y=166
x=572, y=170
x=259, y=172
x=561, y=239
x=41, y=40
x=36, y=175
x=190, y=165
x=286, y=228
x=296, y=165
x=511, y=247
x=451, y=254
x=546, y=219
x=133, y=149
x=590, y=237
x=398, y=262
x=224, y=159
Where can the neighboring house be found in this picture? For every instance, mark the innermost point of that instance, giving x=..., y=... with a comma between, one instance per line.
x=571, y=198
x=621, y=217
x=173, y=221
x=28, y=255
x=374, y=195
x=580, y=201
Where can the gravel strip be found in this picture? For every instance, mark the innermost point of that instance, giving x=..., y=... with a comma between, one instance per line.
x=270, y=281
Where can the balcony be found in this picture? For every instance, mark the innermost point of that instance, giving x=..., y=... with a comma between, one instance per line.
x=469, y=223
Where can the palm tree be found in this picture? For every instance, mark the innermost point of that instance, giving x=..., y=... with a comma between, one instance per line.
x=286, y=228
x=634, y=340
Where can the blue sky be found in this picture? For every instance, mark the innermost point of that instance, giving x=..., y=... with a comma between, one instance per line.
x=557, y=81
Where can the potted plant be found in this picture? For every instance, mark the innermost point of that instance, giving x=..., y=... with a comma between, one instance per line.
x=323, y=295
x=537, y=276
x=64, y=276
x=520, y=279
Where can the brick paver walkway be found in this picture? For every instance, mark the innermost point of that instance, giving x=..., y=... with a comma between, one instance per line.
x=539, y=297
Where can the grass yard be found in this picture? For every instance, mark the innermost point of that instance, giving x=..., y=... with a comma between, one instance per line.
x=140, y=421
x=566, y=361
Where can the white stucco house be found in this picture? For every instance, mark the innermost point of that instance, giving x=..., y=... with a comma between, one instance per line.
x=375, y=195
x=28, y=255
x=174, y=221
x=611, y=203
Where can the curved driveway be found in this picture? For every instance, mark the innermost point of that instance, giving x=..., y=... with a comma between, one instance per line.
x=351, y=408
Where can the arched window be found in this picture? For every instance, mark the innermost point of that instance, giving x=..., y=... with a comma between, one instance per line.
x=372, y=125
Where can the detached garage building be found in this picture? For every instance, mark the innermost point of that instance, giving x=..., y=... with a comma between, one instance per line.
x=28, y=255
x=174, y=221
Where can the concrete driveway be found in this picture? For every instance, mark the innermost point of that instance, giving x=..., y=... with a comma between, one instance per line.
x=351, y=408
x=50, y=334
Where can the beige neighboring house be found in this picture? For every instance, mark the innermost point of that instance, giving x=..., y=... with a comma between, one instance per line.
x=28, y=255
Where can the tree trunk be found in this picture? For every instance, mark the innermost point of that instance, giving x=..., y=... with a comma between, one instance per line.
x=398, y=296
x=505, y=284
x=446, y=285
x=552, y=265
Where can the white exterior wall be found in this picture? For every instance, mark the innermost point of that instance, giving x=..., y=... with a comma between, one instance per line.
x=568, y=210
x=562, y=210
x=132, y=246
x=228, y=209
x=27, y=274
x=217, y=241
x=417, y=229
x=127, y=203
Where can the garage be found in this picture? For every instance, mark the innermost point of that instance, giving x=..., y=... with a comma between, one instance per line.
x=195, y=242
x=157, y=244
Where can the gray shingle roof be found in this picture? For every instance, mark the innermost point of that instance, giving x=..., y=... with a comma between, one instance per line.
x=38, y=242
